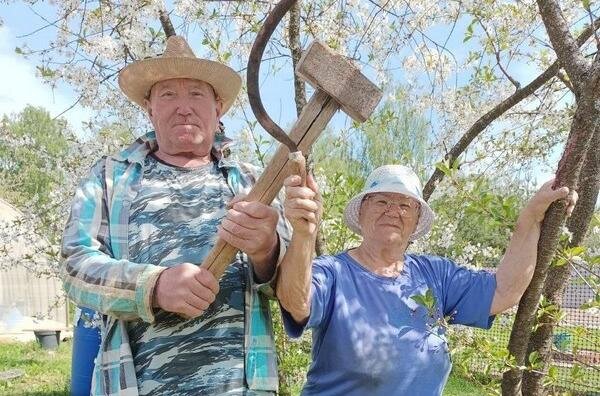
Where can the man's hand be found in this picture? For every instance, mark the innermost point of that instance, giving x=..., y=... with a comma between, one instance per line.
x=186, y=289
x=250, y=227
x=303, y=206
x=539, y=203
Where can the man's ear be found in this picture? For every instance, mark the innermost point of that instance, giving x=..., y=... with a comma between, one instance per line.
x=148, y=107
x=219, y=108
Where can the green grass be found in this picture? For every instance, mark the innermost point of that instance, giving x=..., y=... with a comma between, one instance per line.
x=46, y=372
x=458, y=386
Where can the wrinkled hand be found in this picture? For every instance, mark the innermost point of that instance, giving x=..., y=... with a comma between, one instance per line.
x=186, y=289
x=539, y=203
x=250, y=227
x=303, y=205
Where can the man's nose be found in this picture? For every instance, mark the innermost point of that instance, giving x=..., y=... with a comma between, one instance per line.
x=184, y=108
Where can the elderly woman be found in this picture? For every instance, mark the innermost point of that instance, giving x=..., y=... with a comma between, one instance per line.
x=378, y=314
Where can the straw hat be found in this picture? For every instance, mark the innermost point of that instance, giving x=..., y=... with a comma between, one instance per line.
x=392, y=179
x=178, y=61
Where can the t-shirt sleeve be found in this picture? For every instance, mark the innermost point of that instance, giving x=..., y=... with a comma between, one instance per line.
x=468, y=295
x=322, y=284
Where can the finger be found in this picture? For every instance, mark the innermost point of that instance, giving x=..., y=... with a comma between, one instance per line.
x=292, y=181
x=571, y=202
x=240, y=224
x=202, y=292
x=299, y=192
x=299, y=214
x=312, y=184
x=237, y=198
x=197, y=303
x=305, y=204
x=207, y=279
x=573, y=197
x=233, y=239
x=255, y=209
x=559, y=193
x=188, y=311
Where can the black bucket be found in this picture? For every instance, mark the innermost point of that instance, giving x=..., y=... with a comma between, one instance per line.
x=48, y=339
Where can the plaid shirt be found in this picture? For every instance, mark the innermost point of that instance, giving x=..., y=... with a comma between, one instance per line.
x=97, y=273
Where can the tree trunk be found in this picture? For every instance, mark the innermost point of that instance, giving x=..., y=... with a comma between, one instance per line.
x=584, y=123
x=541, y=340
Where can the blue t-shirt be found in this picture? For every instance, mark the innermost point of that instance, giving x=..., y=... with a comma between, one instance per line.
x=371, y=338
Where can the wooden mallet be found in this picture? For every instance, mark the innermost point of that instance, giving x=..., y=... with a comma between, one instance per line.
x=338, y=84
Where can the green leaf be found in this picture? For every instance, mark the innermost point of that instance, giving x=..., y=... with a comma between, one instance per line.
x=469, y=32
x=535, y=360
x=426, y=300
x=586, y=4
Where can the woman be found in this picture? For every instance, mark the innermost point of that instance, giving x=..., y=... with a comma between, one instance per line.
x=379, y=314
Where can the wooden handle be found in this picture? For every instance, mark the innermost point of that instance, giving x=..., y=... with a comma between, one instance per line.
x=298, y=165
x=315, y=116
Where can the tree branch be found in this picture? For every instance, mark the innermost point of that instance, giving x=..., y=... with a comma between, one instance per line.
x=296, y=50
x=565, y=46
x=497, y=111
x=165, y=21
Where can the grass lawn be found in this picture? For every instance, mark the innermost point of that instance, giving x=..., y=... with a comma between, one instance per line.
x=458, y=386
x=48, y=372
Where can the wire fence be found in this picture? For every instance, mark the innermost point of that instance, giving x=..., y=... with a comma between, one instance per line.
x=575, y=342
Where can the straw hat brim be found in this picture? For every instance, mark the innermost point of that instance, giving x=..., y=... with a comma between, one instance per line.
x=352, y=211
x=137, y=78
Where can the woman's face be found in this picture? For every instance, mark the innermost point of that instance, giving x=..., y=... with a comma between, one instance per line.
x=388, y=217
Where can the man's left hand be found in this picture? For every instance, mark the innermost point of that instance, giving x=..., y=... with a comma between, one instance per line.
x=250, y=227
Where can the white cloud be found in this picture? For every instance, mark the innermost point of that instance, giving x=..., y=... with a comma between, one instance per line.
x=19, y=86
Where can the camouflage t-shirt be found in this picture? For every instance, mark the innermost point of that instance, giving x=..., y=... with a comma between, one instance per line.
x=173, y=220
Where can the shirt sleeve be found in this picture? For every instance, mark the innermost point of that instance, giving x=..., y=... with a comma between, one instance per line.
x=468, y=295
x=91, y=276
x=321, y=300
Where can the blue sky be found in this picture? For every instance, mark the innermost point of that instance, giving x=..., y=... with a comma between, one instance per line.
x=19, y=85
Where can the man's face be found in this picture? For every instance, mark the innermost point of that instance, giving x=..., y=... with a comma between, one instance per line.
x=185, y=114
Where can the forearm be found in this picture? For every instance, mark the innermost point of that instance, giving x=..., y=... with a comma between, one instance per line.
x=293, y=284
x=118, y=288
x=518, y=264
x=264, y=265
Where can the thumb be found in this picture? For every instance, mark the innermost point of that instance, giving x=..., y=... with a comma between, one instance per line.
x=236, y=199
x=559, y=193
x=312, y=184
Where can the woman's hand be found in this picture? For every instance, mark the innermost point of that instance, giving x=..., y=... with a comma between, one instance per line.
x=543, y=198
x=302, y=206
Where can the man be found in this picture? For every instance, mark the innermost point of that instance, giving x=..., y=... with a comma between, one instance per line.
x=142, y=222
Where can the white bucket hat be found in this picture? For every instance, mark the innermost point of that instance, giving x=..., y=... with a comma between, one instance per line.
x=178, y=61
x=392, y=179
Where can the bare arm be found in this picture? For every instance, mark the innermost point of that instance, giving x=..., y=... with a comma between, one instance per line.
x=303, y=210
x=518, y=264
